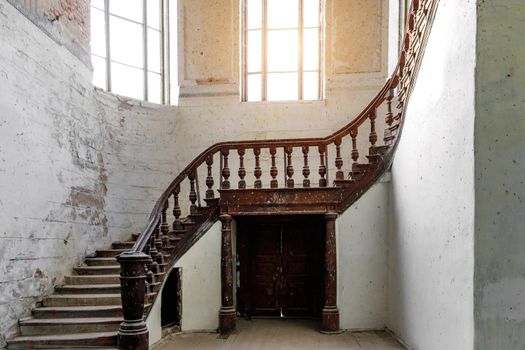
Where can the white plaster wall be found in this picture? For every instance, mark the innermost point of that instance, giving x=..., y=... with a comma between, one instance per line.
x=432, y=238
x=362, y=250
x=500, y=168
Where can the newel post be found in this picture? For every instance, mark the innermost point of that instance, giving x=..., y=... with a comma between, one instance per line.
x=227, y=314
x=330, y=313
x=133, y=333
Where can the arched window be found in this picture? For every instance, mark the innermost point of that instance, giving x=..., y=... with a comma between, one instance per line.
x=130, y=47
x=282, y=55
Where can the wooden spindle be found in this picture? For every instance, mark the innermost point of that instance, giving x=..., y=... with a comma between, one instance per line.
x=242, y=170
x=209, y=178
x=257, y=171
x=389, y=115
x=177, y=224
x=339, y=175
x=373, y=135
x=225, y=170
x=273, y=171
x=306, y=168
x=355, y=151
x=193, y=194
x=289, y=168
x=322, y=166
x=165, y=227
x=154, y=253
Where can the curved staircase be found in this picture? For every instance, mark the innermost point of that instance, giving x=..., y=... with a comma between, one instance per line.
x=105, y=302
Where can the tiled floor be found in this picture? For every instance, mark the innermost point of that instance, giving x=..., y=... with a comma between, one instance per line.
x=276, y=334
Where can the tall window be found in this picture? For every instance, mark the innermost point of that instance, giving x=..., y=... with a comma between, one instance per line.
x=282, y=50
x=130, y=42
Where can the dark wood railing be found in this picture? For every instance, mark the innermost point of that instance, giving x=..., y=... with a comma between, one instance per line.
x=352, y=157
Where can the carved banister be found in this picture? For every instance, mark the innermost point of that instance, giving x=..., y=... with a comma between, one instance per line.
x=139, y=265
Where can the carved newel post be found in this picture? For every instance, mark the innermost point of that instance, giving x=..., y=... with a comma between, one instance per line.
x=330, y=314
x=227, y=314
x=133, y=333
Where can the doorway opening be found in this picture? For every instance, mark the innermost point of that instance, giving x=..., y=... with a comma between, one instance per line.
x=171, y=307
x=280, y=262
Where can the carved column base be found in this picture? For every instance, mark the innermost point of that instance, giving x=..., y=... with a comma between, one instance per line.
x=330, y=320
x=133, y=335
x=227, y=320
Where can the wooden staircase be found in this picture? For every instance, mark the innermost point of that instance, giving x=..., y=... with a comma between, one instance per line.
x=104, y=304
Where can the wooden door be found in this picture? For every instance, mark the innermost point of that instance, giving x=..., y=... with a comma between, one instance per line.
x=280, y=268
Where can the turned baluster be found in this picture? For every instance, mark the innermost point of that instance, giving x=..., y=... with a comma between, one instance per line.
x=242, y=169
x=225, y=170
x=355, y=154
x=289, y=168
x=339, y=175
x=273, y=171
x=389, y=114
x=150, y=277
x=193, y=193
x=154, y=253
x=322, y=166
x=209, y=178
x=165, y=227
x=373, y=135
x=177, y=224
x=257, y=171
x=306, y=168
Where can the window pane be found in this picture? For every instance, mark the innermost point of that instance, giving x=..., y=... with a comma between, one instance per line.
x=153, y=50
x=98, y=32
x=311, y=86
x=174, y=70
x=126, y=42
x=311, y=49
x=127, y=81
x=153, y=13
x=254, y=51
x=99, y=72
x=283, y=86
x=283, y=13
x=131, y=9
x=154, y=87
x=283, y=50
x=254, y=87
x=311, y=13
x=254, y=14
x=98, y=4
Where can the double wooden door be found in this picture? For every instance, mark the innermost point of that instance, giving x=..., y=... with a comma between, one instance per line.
x=280, y=266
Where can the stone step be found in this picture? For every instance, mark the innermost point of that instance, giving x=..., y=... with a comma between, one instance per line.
x=36, y=326
x=92, y=279
x=98, y=270
x=100, y=261
x=82, y=300
x=88, y=289
x=123, y=245
x=64, y=341
x=108, y=253
x=77, y=311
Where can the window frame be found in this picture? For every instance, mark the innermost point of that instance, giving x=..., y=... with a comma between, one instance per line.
x=264, y=53
x=164, y=47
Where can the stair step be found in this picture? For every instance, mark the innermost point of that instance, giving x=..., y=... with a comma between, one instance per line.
x=108, y=253
x=123, y=245
x=82, y=300
x=98, y=270
x=78, y=311
x=92, y=279
x=381, y=149
x=344, y=183
x=36, y=326
x=100, y=261
x=64, y=341
x=88, y=289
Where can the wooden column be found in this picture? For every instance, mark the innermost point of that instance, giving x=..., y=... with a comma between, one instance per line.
x=133, y=333
x=227, y=314
x=330, y=314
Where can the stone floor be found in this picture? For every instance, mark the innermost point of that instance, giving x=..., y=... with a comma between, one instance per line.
x=276, y=334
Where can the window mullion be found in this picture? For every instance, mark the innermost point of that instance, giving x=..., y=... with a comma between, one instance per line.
x=300, y=51
x=264, y=33
x=108, y=52
x=164, y=48
x=145, y=47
